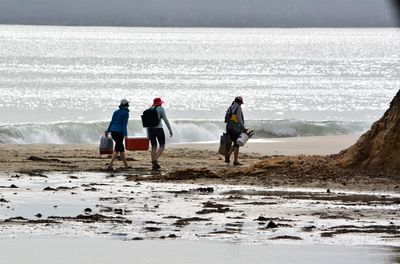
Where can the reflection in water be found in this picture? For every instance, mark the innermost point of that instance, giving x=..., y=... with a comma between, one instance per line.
x=396, y=255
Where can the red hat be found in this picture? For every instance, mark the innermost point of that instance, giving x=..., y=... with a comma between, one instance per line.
x=157, y=101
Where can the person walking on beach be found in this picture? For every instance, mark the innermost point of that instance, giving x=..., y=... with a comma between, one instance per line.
x=119, y=130
x=156, y=133
x=234, y=127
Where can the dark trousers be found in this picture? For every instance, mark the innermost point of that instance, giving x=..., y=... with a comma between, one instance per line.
x=118, y=137
x=156, y=134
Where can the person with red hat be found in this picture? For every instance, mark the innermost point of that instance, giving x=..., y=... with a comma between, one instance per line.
x=156, y=133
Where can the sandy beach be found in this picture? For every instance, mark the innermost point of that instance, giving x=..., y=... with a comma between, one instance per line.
x=85, y=157
x=265, y=163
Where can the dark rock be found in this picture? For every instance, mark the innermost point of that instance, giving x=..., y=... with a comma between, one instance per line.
x=14, y=219
x=137, y=238
x=214, y=210
x=99, y=218
x=13, y=186
x=34, y=158
x=62, y=188
x=91, y=190
x=210, y=204
x=261, y=218
x=2, y=200
x=152, y=223
x=39, y=215
x=152, y=229
x=272, y=225
x=327, y=234
x=87, y=210
x=286, y=237
x=49, y=189
x=186, y=221
x=308, y=228
x=172, y=217
x=205, y=189
x=118, y=211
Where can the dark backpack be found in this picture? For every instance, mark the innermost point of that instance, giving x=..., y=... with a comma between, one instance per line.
x=150, y=118
x=228, y=114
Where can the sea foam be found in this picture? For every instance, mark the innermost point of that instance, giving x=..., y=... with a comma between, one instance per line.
x=184, y=130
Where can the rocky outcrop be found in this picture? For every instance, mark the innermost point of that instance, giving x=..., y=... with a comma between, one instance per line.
x=378, y=150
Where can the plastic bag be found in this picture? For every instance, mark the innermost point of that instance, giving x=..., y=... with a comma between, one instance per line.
x=106, y=145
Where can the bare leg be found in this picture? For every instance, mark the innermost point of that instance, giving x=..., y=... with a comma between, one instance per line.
x=235, y=155
x=228, y=155
x=158, y=153
x=113, y=157
x=153, y=154
x=123, y=158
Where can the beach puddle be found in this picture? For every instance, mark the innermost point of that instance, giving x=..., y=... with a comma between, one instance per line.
x=108, y=206
x=100, y=251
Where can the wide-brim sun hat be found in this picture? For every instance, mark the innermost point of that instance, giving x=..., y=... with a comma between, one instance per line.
x=157, y=101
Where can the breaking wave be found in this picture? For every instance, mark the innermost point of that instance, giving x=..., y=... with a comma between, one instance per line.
x=184, y=130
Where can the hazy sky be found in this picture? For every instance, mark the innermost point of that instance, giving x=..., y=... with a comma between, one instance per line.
x=201, y=13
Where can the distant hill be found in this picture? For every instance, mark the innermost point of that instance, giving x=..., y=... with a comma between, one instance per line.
x=201, y=13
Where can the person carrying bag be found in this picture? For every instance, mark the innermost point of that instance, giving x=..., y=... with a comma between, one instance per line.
x=234, y=120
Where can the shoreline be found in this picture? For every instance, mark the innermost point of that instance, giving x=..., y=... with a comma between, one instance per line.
x=287, y=146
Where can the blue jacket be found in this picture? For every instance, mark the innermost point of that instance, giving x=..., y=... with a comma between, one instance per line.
x=119, y=122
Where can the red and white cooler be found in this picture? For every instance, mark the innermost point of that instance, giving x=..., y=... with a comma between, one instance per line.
x=136, y=143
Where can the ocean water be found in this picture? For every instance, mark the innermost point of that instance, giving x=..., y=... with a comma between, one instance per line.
x=61, y=84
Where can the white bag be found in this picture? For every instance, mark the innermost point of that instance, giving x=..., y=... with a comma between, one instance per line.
x=243, y=138
x=106, y=145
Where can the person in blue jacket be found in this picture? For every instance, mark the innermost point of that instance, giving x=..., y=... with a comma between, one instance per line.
x=119, y=130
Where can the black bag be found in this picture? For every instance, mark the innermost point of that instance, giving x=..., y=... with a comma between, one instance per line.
x=150, y=118
x=225, y=144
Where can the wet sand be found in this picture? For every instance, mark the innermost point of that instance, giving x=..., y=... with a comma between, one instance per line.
x=104, y=205
x=66, y=251
x=67, y=192
x=323, y=145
